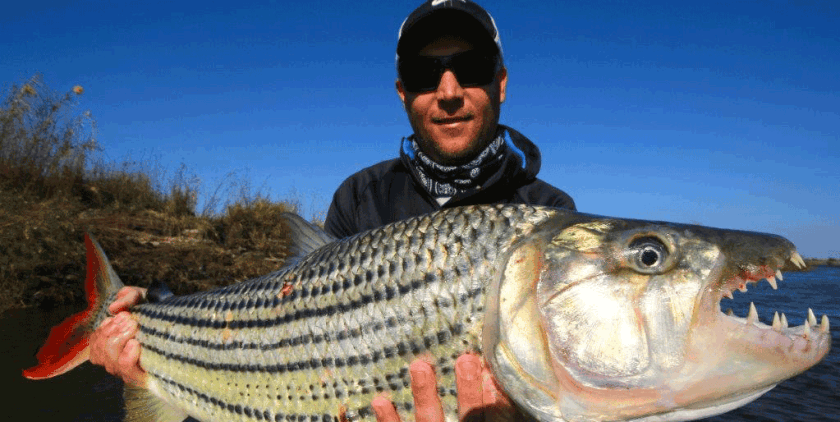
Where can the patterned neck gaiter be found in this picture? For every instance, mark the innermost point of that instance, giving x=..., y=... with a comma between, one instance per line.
x=447, y=181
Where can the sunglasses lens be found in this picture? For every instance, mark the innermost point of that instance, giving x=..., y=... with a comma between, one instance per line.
x=472, y=68
x=419, y=73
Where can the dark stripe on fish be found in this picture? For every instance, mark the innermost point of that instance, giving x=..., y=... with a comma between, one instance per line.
x=401, y=349
x=374, y=327
x=159, y=313
x=162, y=315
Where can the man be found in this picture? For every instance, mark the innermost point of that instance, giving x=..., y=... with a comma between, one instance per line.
x=451, y=81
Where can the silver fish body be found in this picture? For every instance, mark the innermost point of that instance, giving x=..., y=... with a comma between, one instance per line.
x=326, y=335
x=580, y=317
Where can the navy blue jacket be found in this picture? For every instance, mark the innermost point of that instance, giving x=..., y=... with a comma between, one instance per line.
x=390, y=191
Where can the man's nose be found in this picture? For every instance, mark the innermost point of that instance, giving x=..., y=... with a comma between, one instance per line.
x=449, y=93
x=448, y=87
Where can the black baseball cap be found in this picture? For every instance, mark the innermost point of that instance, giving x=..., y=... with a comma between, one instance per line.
x=436, y=17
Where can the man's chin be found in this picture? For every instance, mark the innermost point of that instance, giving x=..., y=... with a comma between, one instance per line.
x=448, y=150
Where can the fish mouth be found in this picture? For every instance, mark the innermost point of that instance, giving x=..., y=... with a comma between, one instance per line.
x=801, y=339
x=740, y=357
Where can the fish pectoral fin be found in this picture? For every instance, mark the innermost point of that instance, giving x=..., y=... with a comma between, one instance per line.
x=143, y=406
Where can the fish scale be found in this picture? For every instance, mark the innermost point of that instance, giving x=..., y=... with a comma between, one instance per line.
x=342, y=324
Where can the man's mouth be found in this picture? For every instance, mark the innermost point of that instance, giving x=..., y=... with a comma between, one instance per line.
x=450, y=120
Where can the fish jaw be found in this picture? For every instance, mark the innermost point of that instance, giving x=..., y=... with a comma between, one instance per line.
x=748, y=355
x=620, y=342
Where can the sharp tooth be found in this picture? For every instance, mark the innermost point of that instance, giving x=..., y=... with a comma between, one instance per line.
x=797, y=259
x=729, y=312
x=779, y=275
x=777, y=324
x=728, y=294
x=812, y=320
x=743, y=288
x=772, y=282
x=752, y=317
x=824, y=324
x=784, y=322
x=807, y=332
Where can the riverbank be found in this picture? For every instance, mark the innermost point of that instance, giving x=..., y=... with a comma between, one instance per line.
x=42, y=262
x=52, y=193
x=829, y=262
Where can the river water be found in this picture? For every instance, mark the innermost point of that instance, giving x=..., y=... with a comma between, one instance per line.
x=88, y=393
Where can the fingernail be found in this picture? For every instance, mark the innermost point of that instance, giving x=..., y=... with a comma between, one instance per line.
x=468, y=369
x=421, y=376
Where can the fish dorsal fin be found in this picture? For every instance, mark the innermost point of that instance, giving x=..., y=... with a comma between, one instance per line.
x=304, y=237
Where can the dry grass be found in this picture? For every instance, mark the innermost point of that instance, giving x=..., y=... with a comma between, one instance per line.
x=51, y=194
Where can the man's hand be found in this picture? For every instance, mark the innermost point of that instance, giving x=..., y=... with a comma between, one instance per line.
x=479, y=398
x=113, y=346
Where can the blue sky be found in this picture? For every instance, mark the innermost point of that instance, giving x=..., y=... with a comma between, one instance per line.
x=719, y=113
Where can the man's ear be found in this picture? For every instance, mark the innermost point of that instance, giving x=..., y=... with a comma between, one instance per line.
x=400, y=91
x=502, y=84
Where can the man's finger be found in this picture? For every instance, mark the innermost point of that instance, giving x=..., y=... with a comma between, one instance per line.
x=384, y=410
x=126, y=297
x=107, y=341
x=97, y=340
x=424, y=388
x=113, y=346
x=493, y=394
x=129, y=363
x=500, y=408
x=103, y=326
x=468, y=380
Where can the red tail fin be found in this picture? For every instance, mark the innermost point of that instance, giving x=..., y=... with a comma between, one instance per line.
x=67, y=345
x=65, y=349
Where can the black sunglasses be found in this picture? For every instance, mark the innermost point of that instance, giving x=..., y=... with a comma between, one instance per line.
x=471, y=68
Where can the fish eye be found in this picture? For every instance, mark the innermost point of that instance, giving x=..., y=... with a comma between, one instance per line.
x=648, y=254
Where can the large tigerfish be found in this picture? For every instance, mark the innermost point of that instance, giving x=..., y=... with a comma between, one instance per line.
x=581, y=318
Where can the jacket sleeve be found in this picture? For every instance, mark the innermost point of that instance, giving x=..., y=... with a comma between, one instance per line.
x=563, y=200
x=341, y=217
x=540, y=192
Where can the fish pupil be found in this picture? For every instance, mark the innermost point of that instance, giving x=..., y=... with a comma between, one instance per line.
x=650, y=257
